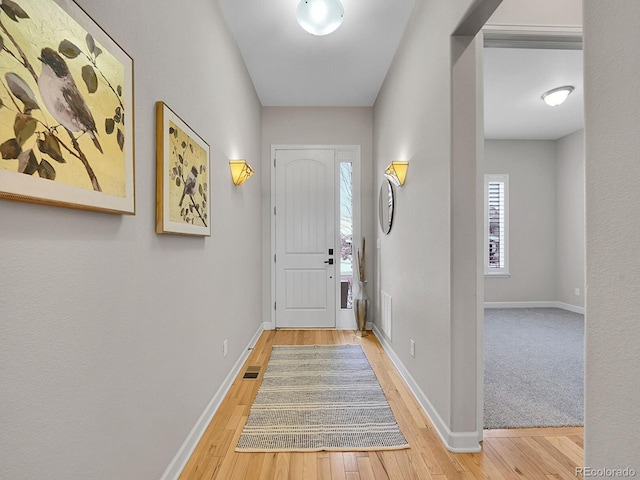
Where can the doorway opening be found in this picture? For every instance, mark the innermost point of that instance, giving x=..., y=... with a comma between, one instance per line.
x=540, y=228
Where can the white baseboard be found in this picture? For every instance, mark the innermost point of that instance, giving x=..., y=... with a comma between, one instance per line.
x=456, y=442
x=571, y=308
x=350, y=325
x=551, y=304
x=181, y=458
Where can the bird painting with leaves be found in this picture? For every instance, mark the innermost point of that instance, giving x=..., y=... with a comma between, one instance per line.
x=62, y=113
x=188, y=188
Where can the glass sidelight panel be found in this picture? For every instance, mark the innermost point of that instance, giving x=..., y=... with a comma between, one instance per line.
x=346, y=235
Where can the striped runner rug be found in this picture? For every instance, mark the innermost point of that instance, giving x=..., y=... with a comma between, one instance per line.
x=320, y=398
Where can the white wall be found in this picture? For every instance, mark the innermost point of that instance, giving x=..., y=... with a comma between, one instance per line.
x=570, y=261
x=111, y=335
x=315, y=126
x=531, y=165
x=612, y=107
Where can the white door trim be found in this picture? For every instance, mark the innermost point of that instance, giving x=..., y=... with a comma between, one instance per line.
x=343, y=321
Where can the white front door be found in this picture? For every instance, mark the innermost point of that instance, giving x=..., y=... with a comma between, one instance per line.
x=305, y=238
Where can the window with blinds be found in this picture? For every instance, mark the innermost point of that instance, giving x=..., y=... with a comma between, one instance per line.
x=496, y=189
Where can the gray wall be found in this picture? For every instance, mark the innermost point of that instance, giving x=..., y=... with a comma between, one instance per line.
x=531, y=165
x=546, y=219
x=112, y=335
x=612, y=107
x=545, y=14
x=425, y=264
x=540, y=12
x=104, y=376
x=413, y=121
x=570, y=229
x=314, y=126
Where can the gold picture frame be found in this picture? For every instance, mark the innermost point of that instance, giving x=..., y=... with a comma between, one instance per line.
x=66, y=122
x=183, y=179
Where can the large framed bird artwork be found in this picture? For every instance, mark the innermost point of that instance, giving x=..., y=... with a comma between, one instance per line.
x=182, y=185
x=66, y=109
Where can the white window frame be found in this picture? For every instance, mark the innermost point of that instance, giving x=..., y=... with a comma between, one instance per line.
x=504, y=270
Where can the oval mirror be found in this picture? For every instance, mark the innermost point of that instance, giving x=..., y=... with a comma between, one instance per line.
x=385, y=206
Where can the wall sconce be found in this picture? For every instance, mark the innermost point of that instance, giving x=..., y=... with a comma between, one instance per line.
x=240, y=171
x=397, y=172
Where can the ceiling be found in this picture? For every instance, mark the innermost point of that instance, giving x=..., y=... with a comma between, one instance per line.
x=514, y=81
x=290, y=67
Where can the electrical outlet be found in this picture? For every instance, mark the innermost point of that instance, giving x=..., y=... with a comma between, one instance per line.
x=412, y=348
x=225, y=348
x=577, y=292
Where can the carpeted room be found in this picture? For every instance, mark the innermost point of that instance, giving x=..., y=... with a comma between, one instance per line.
x=534, y=366
x=534, y=273
x=534, y=309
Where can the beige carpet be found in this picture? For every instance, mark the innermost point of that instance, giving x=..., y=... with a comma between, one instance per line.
x=316, y=398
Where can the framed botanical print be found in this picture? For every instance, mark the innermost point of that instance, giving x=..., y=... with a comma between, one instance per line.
x=182, y=186
x=66, y=109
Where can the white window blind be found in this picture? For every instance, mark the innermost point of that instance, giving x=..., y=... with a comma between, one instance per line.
x=496, y=224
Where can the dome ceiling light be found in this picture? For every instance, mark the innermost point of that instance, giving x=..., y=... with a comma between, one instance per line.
x=320, y=17
x=557, y=96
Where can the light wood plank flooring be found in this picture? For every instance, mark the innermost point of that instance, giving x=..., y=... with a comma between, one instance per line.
x=530, y=454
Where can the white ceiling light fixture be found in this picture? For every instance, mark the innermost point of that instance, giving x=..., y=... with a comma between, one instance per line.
x=320, y=17
x=557, y=96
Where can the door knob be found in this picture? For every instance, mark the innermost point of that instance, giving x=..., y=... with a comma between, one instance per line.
x=330, y=261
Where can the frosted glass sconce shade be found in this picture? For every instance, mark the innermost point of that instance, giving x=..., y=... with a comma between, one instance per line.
x=397, y=172
x=240, y=171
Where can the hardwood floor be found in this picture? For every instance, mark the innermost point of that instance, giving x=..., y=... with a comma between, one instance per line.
x=507, y=454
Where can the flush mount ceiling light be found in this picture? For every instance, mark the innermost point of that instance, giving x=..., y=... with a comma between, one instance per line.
x=557, y=96
x=320, y=17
